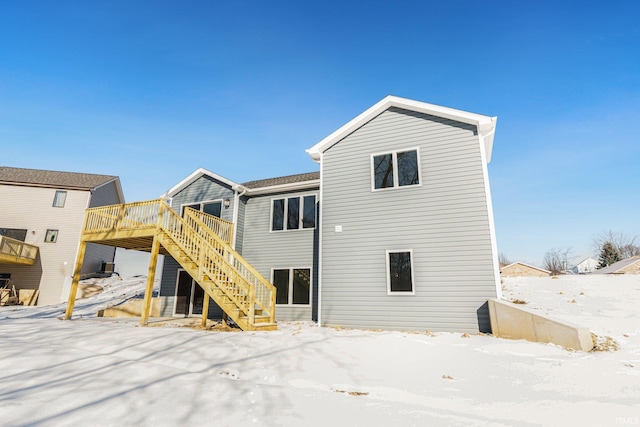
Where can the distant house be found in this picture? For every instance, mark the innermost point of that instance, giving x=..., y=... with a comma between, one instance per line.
x=587, y=265
x=45, y=209
x=626, y=266
x=517, y=269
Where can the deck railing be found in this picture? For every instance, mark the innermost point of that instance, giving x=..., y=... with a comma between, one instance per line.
x=206, y=239
x=17, y=251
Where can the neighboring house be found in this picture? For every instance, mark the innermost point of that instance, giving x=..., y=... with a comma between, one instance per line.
x=626, y=266
x=518, y=269
x=46, y=209
x=587, y=265
x=395, y=231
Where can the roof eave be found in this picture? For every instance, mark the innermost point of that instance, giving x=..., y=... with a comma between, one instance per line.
x=195, y=175
x=484, y=124
x=281, y=188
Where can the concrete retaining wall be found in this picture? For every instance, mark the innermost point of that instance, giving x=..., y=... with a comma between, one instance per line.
x=512, y=321
x=132, y=308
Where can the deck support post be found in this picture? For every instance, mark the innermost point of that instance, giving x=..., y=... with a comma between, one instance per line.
x=225, y=316
x=151, y=276
x=76, y=278
x=205, y=310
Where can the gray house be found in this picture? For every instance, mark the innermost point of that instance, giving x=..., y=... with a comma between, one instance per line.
x=395, y=231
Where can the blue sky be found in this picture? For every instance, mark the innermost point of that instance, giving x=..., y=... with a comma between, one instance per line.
x=151, y=91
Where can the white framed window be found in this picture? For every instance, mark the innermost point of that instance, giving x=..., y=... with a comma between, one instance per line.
x=211, y=207
x=395, y=169
x=400, y=272
x=51, y=236
x=59, y=199
x=293, y=285
x=293, y=213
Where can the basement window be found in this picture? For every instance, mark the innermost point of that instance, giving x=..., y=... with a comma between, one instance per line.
x=400, y=272
x=293, y=286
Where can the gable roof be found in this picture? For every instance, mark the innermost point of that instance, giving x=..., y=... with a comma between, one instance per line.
x=617, y=266
x=486, y=125
x=196, y=175
x=54, y=179
x=526, y=265
x=301, y=178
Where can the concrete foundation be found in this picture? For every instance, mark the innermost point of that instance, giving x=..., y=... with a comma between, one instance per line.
x=132, y=308
x=515, y=322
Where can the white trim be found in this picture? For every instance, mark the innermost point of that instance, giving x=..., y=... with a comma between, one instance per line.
x=394, y=161
x=286, y=198
x=294, y=186
x=191, y=297
x=413, y=281
x=319, y=260
x=484, y=124
x=290, y=296
x=55, y=198
x=194, y=176
x=492, y=227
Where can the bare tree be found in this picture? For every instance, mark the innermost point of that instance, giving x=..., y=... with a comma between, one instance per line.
x=557, y=260
x=503, y=260
x=624, y=244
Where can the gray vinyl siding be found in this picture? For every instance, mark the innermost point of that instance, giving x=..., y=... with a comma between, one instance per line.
x=242, y=208
x=205, y=189
x=444, y=221
x=202, y=189
x=104, y=195
x=167, y=292
x=266, y=250
x=95, y=255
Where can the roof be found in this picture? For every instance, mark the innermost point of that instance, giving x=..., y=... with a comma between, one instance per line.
x=194, y=176
x=282, y=180
x=54, y=179
x=486, y=125
x=300, y=181
x=617, y=266
x=526, y=265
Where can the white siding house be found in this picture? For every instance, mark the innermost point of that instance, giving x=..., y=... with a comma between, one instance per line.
x=46, y=209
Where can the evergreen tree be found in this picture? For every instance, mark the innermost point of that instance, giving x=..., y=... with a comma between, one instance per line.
x=609, y=254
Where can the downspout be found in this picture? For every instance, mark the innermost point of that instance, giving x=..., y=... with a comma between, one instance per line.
x=319, y=224
x=236, y=213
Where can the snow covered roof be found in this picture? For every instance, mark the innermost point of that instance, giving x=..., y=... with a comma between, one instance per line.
x=486, y=125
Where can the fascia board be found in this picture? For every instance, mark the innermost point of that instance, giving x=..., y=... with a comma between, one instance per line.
x=195, y=175
x=305, y=185
x=484, y=124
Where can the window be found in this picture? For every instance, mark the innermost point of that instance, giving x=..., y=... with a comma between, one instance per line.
x=14, y=233
x=211, y=208
x=51, y=236
x=293, y=285
x=293, y=213
x=59, y=199
x=399, y=272
x=396, y=169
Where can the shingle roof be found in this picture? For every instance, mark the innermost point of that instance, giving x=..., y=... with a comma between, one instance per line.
x=290, y=179
x=36, y=177
x=617, y=266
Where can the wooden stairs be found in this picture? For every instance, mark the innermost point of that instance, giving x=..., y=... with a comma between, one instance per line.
x=199, y=242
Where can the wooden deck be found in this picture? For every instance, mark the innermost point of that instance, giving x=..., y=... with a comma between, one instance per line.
x=14, y=251
x=199, y=242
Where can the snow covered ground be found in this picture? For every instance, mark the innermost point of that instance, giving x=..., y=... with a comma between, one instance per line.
x=94, y=371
